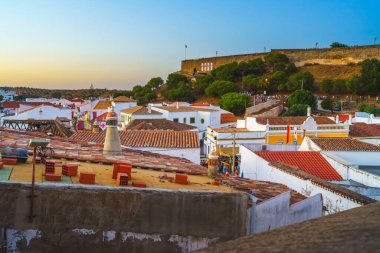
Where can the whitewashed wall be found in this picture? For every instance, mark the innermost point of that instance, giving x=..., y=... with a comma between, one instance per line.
x=192, y=154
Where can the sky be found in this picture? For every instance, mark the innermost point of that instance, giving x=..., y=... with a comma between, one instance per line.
x=71, y=44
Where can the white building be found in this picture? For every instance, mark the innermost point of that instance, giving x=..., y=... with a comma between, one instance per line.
x=101, y=106
x=42, y=112
x=308, y=173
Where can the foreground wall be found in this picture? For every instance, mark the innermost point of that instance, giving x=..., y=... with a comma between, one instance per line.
x=100, y=219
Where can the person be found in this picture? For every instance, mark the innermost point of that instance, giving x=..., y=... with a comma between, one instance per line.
x=224, y=168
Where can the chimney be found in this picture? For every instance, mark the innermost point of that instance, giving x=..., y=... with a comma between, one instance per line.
x=177, y=105
x=308, y=111
x=95, y=127
x=349, y=119
x=112, y=144
x=337, y=119
x=149, y=108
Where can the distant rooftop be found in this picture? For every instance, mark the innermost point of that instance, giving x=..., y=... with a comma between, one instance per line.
x=364, y=130
x=158, y=124
x=292, y=120
x=140, y=110
x=344, y=144
x=184, y=109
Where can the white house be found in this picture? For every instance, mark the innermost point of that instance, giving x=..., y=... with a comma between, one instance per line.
x=138, y=112
x=101, y=106
x=42, y=112
x=308, y=173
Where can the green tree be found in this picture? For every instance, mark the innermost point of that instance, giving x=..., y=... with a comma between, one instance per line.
x=234, y=102
x=337, y=44
x=251, y=83
x=219, y=88
x=297, y=110
x=275, y=58
x=295, y=81
x=327, y=85
x=327, y=104
x=371, y=76
x=255, y=67
x=291, y=69
x=302, y=97
x=278, y=78
x=182, y=93
x=355, y=85
x=155, y=82
x=174, y=79
x=339, y=86
x=201, y=83
x=127, y=93
x=227, y=72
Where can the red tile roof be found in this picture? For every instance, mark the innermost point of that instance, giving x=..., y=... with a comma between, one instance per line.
x=185, y=109
x=311, y=162
x=17, y=104
x=200, y=104
x=11, y=105
x=228, y=117
x=140, y=110
x=344, y=144
x=364, y=130
x=345, y=117
x=101, y=117
x=292, y=120
x=123, y=99
x=158, y=124
x=102, y=105
x=146, y=138
x=262, y=190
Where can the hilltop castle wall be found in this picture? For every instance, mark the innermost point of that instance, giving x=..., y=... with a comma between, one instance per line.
x=325, y=56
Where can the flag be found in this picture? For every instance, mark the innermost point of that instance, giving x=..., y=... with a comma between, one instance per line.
x=295, y=133
x=288, y=135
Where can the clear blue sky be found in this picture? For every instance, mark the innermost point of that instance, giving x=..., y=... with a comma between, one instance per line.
x=117, y=44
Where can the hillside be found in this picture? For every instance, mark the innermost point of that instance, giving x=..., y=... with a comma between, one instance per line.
x=321, y=72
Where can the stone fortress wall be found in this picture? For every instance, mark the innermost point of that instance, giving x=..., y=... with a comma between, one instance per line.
x=323, y=56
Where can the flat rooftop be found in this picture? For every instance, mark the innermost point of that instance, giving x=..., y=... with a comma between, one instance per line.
x=22, y=172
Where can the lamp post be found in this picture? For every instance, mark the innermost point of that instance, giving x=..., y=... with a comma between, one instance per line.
x=35, y=143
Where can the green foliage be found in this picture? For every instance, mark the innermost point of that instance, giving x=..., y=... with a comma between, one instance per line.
x=371, y=76
x=155, y=82
x=337, y=44
x=297, y=110
x=219, y=88
x=278, y=78
x=327, y=104
x=355, y=85
x=201, y=83
x=254, y=67
x=174, y=79
x=371, y=109
x=182, y=93
x=251, y=82
x=339, y=86
x=291, y=69
x=277, y=60
x=302, y=97
x=227, y=72
x=234, y=102
x=56, y=94
x=327, y=85
x=295, y=81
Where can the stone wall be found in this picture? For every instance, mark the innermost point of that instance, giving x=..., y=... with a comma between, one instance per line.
x=111, y=219
x=328, y=56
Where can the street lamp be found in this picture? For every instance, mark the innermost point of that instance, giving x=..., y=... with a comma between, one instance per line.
x=35, y=143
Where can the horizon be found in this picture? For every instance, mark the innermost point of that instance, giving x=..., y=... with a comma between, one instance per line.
x=117, y=44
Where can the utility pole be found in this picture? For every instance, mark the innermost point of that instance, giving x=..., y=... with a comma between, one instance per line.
x=216, y=54
x=233, y=154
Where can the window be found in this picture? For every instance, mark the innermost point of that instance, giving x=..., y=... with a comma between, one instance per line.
x=280, y=142
x=175, y=120
x=192, y=120
x=202, y=121
x=184, y=120
x=295, y=142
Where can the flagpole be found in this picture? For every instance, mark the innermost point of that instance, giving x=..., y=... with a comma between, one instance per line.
x=185, y=50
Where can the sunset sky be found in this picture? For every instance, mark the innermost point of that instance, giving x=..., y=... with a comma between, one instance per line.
x=117, y=44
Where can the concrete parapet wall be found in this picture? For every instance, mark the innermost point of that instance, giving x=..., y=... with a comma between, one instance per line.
x=112, y=219
x=261, y=106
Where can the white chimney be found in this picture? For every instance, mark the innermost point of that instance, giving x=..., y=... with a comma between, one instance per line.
x=149, y=108
x=308, y=111
x=177, y=105
x=337, y=119
x=349, y=119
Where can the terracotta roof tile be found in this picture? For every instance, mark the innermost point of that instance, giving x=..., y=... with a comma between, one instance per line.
x=123, y=99
x=17, y=104
x=102, y=105
x=228, y=117
x=292, y=120
x=158, y=124
x=311, y=162
x=344, y=144
x=147, y=138
x=262, y=190
x=364, y=130
x=230, y=130
x=140, y=110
